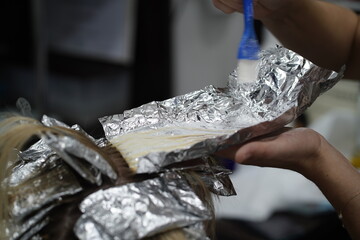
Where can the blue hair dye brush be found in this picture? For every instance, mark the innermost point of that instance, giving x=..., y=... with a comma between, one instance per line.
x=249, y=48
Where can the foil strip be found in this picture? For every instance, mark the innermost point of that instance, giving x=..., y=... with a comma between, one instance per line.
x=38, y=179
x=30, y=226
x=86, y=228
x=32, y=162
x=141, y=209
x=40, y=191
x=214, y=175
x=50, y=122
x=287, y=84
x=34, y=230
x=66, y=147
x=62, y=144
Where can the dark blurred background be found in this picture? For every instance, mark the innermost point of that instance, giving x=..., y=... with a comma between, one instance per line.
x=80, y=60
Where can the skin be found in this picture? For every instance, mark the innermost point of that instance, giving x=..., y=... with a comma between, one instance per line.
x=329, y=36
x=307, y=152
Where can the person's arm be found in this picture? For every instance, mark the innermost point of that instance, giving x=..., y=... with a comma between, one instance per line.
x=327, y=34
x=340, y=183
x=307, y=152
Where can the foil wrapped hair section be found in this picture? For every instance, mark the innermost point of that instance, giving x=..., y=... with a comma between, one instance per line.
x=142, y=209
x=39, y=179
x=33, y=198
x=204, y=121
x=71, y=149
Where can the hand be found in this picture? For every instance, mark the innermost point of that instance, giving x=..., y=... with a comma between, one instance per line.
x=262, y=8
x=299, y=149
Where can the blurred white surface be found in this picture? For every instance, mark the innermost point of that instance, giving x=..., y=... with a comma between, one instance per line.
x=261, y=191
x=205, y=45
x=338, y=127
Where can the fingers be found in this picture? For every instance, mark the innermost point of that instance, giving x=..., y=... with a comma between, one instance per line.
x=250, y=152
x=228, y=153
x=242, y=152
x=234, y=4
x=267, y=151
x=223, y=7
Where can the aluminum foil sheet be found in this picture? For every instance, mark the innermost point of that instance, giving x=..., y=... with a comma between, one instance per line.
x=287, y=84
x=142, y=209
x=218, y=182
x=50, y=122
x=30, y=226
x=67, y=147
x=34, y=230
x=40, y=191
x=213, y=174
x=38, y=179
x=34, y=161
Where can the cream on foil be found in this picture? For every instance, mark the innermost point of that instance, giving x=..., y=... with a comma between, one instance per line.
x=199, y=123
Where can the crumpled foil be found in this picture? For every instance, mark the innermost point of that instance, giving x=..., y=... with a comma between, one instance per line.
x=50, y=122
x=287, y=84
x=141, y=209
x=67, y=147
x=41, y=190
x=30, y=202
x=212, y=173
x=29, y=226
x=217, y=181
x=35, y=160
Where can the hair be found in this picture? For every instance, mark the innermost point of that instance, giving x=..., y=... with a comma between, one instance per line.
x=17, y=132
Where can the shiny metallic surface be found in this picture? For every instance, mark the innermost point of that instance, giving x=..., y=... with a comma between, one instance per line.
x=213, y=174
x=61, y=145
x=137, y=210
x=50, y=122
x=38, y=180
x=67, y=146
x=41, y=190
x=35, y=160
x=287, y=84
x=28, y=227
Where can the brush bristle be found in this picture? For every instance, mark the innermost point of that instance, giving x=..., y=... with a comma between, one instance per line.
x=119, y=164
x=247, y=70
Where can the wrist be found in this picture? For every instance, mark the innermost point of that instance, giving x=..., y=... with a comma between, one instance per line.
x=324, y=160
x=333, y=173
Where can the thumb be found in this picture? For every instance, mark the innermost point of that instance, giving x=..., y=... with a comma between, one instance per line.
x=257, y=153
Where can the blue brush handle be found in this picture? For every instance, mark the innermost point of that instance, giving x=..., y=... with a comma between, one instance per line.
x=249, y=46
